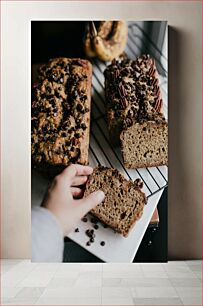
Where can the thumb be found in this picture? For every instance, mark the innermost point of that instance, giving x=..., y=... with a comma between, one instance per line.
x=93, y=199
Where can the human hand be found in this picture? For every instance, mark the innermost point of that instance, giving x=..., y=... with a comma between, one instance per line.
x=64, y=197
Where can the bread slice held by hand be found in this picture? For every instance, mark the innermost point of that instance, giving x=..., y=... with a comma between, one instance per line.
x=124, y=201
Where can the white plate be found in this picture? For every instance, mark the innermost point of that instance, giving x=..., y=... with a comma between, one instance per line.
x=116, y=248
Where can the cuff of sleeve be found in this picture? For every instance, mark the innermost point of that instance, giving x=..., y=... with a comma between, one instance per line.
x=47, y=236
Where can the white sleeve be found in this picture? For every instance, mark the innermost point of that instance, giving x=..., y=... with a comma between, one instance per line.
x=47, y=236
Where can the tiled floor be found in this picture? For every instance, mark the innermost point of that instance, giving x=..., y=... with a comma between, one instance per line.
x=173, y=283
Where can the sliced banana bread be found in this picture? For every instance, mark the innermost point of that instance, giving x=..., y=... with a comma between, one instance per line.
x=135, y=112
x=61, y=112
x=124, y=201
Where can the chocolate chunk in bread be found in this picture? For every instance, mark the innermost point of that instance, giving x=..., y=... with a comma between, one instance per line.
x=61, y=112
x=124, y=201
x=135, y=112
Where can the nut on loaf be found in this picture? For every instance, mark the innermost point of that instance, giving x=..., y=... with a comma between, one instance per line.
x=61, y=112
x=124, y=201
x=135, y=112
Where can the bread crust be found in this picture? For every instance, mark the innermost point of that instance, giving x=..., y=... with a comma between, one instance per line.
x=72, y=104
x=125, y=185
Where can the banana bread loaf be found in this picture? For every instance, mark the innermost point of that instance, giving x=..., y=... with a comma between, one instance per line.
x=134, y=108
x=61, y=112
x=124, y=201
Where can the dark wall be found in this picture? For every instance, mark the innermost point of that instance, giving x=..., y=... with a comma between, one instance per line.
x=56, y=38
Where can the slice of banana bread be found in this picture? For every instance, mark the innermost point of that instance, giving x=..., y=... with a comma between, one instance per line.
x=135, y=112
x=61, y=112
x=124, y=201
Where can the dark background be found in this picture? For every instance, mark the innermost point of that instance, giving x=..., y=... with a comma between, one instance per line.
x=51, y=39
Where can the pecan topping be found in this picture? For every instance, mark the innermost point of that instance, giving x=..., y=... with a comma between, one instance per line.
x=124, y=103
x=127, y=122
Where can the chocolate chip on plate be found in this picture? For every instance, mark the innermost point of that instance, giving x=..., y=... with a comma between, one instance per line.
x=88, y=243
x=91, y=239
x=84, y=219
x=77, y=230
x=96, y=226
x=102, y=243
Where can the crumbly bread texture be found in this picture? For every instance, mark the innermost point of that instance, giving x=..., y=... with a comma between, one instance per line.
x=61, y=112
x=124, y=201
x=135, y=112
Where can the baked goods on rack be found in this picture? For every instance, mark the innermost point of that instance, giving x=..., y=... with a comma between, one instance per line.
x=135, y=112
x=61, y=112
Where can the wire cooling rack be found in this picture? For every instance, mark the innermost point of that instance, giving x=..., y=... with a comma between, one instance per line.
x=101, y=151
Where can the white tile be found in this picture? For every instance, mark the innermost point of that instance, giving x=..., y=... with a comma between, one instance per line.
x=87, y=279
x=177, y=268
x=92, y=267
x=5, y=268
x=67, y=274
x=73, y=292
x=155, y=274
x=185, y=282
x=30, y=292
x=44, y=267
x=146, y=282
x=9, y=292
x=152, y=268
x=193, y=262
x=122, y=274
x=196, y=268
x=61, y=282
x=69, y=301
x=112, y=282
x=37, y=279
x=153, y=292
x=198, y=274
x=117, y=301
x=192, y=301
x=178, y=274
x=189, y=291
x=22, y=301
x=116, y=292
x=176, y=263
x=14, y=276
x=131, y=268
x=158, y=301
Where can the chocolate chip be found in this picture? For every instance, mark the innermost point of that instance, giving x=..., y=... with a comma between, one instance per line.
x=84, y=219
x=79, y=107
x=91, y=239
x=102, y=243
x=93, y=220
x=96, y=226
x=87, y=231
x=88, y=243
x=77, y=230
x=77, y=135
x=83, y=126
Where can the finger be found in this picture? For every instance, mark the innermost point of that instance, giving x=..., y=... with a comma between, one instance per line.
x=79, y=180
x=76, y=192
x=93, y=199
x=76, y=170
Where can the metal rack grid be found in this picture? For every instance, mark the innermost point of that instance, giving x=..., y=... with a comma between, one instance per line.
x=101, y=150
